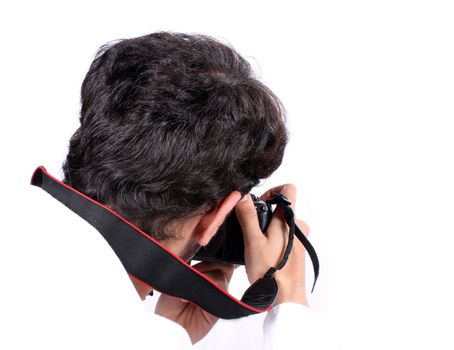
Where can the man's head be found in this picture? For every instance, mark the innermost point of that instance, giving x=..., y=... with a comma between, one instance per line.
x=173, y=127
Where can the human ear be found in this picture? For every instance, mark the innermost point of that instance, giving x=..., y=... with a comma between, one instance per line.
x=210, y=222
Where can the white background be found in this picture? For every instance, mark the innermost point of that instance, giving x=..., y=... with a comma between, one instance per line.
x=368, y=87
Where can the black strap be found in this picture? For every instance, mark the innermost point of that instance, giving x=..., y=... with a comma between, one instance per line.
x=152, y=263
x=289, y=216
x=312, y=254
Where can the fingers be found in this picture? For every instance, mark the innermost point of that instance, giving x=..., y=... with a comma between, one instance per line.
x=288, y=190
x=278, y=229
x=216, y=271
x=207, y=266
x=247, y=217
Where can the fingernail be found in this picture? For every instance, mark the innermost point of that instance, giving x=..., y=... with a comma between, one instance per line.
x=244, y=199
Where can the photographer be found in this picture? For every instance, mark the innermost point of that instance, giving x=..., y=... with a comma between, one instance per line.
x=175, y=131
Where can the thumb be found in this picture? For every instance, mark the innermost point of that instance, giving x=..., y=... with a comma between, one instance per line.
x=248, y=219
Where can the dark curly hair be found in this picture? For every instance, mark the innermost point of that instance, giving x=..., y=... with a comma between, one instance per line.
x=170, y=124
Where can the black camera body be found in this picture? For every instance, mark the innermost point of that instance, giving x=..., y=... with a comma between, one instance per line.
x=228, y=244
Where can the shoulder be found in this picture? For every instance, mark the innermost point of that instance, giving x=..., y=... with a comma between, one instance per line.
x=290, y=323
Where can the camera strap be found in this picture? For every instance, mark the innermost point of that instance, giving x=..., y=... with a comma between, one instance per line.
x=149, y=261
x=289, y=216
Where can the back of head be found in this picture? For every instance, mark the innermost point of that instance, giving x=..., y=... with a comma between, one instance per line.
x=170, y=124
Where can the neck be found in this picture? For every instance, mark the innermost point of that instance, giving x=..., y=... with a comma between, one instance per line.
x=184, y=247
x=179, y=248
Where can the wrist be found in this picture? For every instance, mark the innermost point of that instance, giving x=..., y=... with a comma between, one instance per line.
x=287, y=294
x=298, y=299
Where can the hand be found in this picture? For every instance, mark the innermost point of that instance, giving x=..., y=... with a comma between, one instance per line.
x=263, y=251
x=195, y=320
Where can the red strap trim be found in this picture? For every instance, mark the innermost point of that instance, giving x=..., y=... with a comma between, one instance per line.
x=42, y=168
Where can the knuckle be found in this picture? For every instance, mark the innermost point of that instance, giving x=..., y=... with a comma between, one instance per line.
x=303, y=226
x=290, y=187
x=289, y=190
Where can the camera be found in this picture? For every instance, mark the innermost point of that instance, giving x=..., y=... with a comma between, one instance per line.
x=228, y=244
